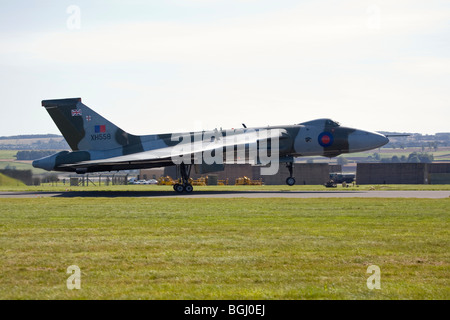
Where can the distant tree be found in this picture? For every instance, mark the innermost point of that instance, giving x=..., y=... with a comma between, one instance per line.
x=426, y=158
x=51, y=177
x=30, y=136
x=395, y=159
x=420, y=157
x=434, y=145
x=33, y=154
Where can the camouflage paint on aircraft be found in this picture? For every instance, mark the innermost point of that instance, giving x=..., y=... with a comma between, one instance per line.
x=99, y=145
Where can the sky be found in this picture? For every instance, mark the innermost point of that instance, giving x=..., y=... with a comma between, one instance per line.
x=184, y=65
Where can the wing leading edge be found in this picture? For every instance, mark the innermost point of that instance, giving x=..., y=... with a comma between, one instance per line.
x=186, y=150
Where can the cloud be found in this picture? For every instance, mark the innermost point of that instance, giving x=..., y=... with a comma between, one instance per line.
x=426, y=66
x=364, y=63
x=307, y=31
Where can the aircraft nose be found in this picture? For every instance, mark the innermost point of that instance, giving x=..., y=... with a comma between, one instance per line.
x=380, y=139
x=365, y=140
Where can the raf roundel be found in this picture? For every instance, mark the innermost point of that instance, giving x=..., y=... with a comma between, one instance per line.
x=326, y=139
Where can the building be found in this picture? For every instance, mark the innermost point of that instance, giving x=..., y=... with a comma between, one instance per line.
x=304, y=173
x=439, y=173
x=153, y=173
x=403, y=173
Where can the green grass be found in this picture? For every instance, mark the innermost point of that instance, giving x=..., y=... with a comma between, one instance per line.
x=8, y=154
x=134, y=248
x=59, y=187
x=7, y=182
x=20, y=166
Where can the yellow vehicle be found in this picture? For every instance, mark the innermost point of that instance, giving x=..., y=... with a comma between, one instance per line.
x=165, y=181
x=198, y=182
x=245, y=181
x=222, y=182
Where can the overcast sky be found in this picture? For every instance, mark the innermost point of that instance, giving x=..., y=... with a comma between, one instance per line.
x=165, y=66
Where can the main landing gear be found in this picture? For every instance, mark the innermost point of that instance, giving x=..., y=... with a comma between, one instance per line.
x=185, y=172
x=290, y=181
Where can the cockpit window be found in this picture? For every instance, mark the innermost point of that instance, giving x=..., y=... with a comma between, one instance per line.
x=321, y=122
x=332, y=123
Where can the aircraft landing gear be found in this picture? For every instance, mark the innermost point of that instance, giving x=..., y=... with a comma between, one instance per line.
x=178, y=187
x=185, y=172
x=290, y=181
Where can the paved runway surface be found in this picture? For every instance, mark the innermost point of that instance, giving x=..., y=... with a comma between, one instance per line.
x=232, y=194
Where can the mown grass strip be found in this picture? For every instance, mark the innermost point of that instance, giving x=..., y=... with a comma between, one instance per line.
x=131, y=248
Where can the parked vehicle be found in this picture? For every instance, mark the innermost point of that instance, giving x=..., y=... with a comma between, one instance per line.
x=132, y=181
x=342, y=177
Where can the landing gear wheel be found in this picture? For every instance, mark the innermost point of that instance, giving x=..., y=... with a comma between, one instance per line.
x=183, y=183
x=290, y=181
x=178, y=188
x=188, y=188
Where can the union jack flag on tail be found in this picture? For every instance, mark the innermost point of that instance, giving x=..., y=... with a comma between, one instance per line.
x=76, y=113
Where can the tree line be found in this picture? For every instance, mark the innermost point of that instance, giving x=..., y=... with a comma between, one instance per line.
x=31, y=136
x=415, y=157
x=33, y=154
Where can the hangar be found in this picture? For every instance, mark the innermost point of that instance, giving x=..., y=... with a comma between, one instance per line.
x=403, y=173
x=319, y=173
x=305, y=173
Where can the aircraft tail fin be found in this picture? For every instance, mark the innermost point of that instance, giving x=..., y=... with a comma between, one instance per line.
x=84, y=129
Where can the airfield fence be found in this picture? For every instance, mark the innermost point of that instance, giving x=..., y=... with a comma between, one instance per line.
x=96, y=180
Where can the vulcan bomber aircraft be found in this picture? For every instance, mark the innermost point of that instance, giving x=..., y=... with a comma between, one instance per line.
x=99, y=145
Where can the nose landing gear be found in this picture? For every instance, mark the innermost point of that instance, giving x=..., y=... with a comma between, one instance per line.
x=290, y=181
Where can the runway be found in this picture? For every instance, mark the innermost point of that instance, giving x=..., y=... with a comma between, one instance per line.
x=231, y=194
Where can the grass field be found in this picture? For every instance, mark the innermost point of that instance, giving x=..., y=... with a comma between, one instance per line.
x=60, y=187
x=21, y=166
x=7, y=182
x=8, y=154
x=130, y=248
